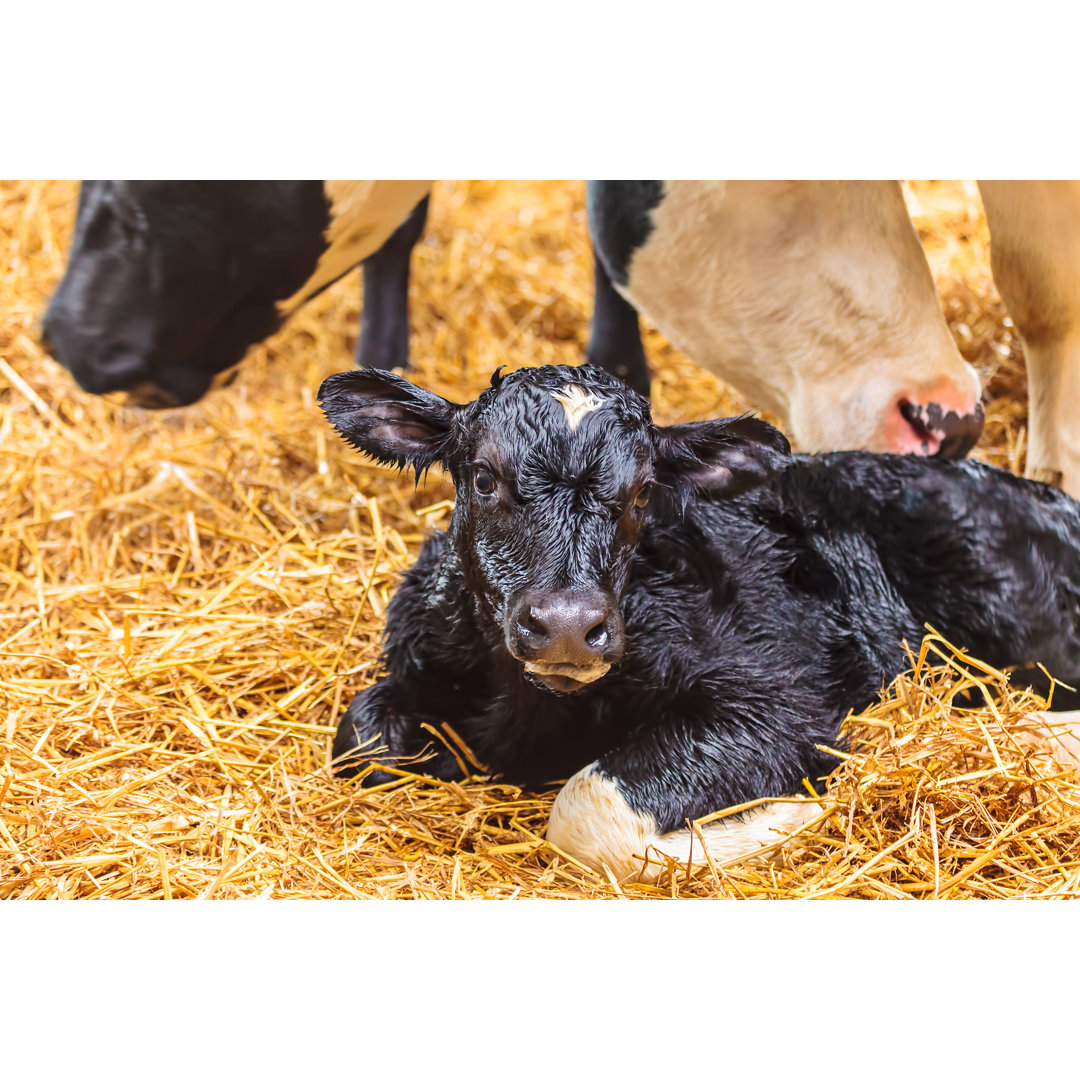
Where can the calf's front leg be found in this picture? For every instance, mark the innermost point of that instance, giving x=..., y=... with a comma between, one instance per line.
x=384, y=723
x=592, y=821
x=629, y=809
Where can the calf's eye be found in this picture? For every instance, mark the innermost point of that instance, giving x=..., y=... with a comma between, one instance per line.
x=484, y=482
x=644, y=493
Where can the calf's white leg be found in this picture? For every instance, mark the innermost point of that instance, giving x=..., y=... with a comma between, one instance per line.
x=592, y=822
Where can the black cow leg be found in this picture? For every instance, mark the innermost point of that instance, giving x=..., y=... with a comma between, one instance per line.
x=615, y=341
x=377, y=726
x=384, y=323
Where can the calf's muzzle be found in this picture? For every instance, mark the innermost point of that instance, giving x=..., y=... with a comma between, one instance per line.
x=566, y=639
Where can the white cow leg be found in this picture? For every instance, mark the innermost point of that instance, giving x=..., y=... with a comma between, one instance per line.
x=1059, y=734
x=1035, y=254
x=591, y=822
x=1053, y=454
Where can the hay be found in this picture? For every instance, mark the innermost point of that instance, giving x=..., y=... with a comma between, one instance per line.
x=190, y=598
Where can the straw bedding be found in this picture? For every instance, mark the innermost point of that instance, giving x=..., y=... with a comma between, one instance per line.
x=190, y=598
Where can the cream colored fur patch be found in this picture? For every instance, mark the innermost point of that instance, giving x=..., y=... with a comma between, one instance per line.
x=363, y=215
x=577, y=404
x=592, y=822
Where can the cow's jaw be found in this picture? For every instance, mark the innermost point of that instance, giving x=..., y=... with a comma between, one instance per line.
x=565, y=678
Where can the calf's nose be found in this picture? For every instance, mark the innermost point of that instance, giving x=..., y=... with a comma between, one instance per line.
x=576, y=628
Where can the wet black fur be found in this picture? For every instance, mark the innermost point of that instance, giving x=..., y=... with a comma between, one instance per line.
x=754, y=622
x=169, y=282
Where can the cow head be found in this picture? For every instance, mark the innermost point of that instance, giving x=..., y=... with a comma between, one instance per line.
x=169, y=282
x=556, y=471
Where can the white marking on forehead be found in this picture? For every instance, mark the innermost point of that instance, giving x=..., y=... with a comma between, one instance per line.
x=576, y=403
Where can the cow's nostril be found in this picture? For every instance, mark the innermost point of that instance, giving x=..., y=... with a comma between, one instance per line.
x=931, y=429
x=597, y=637
x=915, y=415
x=531, y=625
x=962, y=432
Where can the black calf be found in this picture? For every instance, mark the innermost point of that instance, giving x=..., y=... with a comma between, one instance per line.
x=679, y=616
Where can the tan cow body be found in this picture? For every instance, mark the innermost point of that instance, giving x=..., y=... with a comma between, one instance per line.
x=363, y=215
x=815, y=301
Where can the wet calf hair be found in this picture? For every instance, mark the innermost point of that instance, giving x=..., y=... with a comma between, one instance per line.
x=762, y=597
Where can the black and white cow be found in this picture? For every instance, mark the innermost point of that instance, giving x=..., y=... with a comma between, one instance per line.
x=814, y=299
x=677, y=617
x=168, y=282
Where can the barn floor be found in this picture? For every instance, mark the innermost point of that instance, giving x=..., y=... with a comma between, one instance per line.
x=190, y=598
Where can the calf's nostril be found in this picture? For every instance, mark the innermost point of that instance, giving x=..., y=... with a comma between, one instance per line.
x=531, y=624
x=597, y=637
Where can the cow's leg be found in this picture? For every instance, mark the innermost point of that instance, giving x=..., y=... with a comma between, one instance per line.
x=642, y=794
x=615, y=340
x=593, y=822
x=383, y=723
x=1035, y=255
x=1058, y=733
x=384, y=322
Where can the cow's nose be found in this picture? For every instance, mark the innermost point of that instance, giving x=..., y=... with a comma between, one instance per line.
x=568, y=628
x=52, y=329
x=934, y=430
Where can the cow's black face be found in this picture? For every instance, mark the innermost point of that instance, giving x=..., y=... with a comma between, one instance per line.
x=169, y=282
x=555, y=470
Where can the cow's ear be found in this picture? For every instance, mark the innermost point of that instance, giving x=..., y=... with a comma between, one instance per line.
x=388, y=417
x=720, y=457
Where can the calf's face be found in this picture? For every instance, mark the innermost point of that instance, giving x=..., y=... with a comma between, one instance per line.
x=169, y=282
x=557, y=470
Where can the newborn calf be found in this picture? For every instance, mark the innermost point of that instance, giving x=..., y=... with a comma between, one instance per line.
x=675, y=617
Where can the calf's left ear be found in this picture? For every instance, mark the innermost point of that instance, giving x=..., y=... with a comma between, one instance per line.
x=720, y=457
x=389, y=417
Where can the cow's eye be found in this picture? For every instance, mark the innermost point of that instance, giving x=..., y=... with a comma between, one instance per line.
x=644, y=493
x=484, y=482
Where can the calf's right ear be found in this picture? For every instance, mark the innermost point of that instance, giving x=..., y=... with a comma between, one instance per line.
x=720, y=457
x=388, y=417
